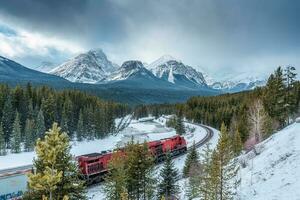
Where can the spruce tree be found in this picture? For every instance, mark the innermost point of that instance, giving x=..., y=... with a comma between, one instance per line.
x=29, y=135
x=168, y=186
x=139, y=164
x=40, y=125
x=56, y=174
x=191, y=159
x=205, y=185
x=49, y=110
x=8, y=116
x=2, y=141
x=16, y=135
x=223, y=167
x=274, y=97
x=291, y=93
x=115, y=181
x=237, y=143
x=80, y=128
x=180, y=128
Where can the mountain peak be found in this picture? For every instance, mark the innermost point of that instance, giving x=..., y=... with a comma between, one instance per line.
x=89, y=67
x=162, y=60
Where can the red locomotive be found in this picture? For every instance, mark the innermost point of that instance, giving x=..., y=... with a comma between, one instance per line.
x=93, y=166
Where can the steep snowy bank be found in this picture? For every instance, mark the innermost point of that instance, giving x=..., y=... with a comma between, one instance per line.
x=274, y=174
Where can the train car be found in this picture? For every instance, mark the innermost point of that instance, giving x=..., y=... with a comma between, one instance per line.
x=95, y=165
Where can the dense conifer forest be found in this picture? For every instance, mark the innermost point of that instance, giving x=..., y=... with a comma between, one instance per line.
x=278, y=100
x=27, y=112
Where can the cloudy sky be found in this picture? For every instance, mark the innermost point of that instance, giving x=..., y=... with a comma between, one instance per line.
x=218, y=36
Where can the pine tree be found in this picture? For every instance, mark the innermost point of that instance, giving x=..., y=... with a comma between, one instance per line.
x=115, y=181
x=49, y=110
x=29, y=135
x=8, y=117
x=40, y=125
x=80, y=128
x=16, y=135
x=223, y=167
x=168, y=187
x=180, y=128
x=291, y=94
x=2, y=141
x=56, y=176
x=191, y=159
x=274, y=97
x=237, y=143
x=139, y=162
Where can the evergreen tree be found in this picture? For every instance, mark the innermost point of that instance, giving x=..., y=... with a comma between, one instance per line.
x=8, y=117
x=56, y=176
x=16, y=135
x=139, y=162
x=180, y=128
x=237, y=143
x=223, y=167
x=115, y=181
x=49, y=110
x=29, y=135
x=191, y=159
x=168, y=187
x=80, y=128
x=2, y=141
x=40, y=125
x=291, y=93
x=131, y=173
x=205, y=185
x=274, y=97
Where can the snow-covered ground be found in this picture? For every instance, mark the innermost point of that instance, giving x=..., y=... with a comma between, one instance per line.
x=153, y=131
x=274, y=174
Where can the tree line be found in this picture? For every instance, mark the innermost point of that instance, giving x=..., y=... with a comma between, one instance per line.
x=27, y=112
x=274, y=105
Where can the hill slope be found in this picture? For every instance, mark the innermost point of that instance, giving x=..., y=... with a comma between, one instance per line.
x=14, y=73
x=275, y=172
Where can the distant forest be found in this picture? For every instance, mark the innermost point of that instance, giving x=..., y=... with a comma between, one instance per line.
x=277, y=102
x=27, y=112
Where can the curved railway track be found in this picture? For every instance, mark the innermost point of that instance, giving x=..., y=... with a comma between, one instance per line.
x=21, y=170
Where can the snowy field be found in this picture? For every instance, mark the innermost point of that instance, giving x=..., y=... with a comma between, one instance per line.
x=274, y=174
x=95, y=193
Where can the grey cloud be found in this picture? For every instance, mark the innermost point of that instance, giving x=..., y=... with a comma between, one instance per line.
x=216, y=34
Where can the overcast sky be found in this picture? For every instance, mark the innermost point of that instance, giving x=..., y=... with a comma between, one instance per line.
x=216, y=35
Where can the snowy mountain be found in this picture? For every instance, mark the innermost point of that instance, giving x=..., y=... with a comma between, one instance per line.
x=239, y=83
x=129, y=69
x=174, y=71
x=89, y=67
x=46, y=67
x=273, y=172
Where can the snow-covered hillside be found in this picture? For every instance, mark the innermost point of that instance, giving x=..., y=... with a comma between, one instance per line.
x=129, y=69
x=90, y=67
x=174, y=71
x=45, y=67
x=274, y=174
x=240, y=82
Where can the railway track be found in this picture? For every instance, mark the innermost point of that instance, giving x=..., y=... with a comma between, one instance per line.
x=22, y=170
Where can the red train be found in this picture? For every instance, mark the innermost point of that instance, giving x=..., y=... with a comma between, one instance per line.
x=93, y=166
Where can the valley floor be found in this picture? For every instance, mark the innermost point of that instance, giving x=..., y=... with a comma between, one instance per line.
x=96, y=193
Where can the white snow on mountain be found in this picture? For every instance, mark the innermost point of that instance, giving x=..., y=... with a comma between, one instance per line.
x=90, y=67
x=46, y=67
x=273, y=173
x=160, y=61
x=242, y=81
x=171, y=69
x=127, y=70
